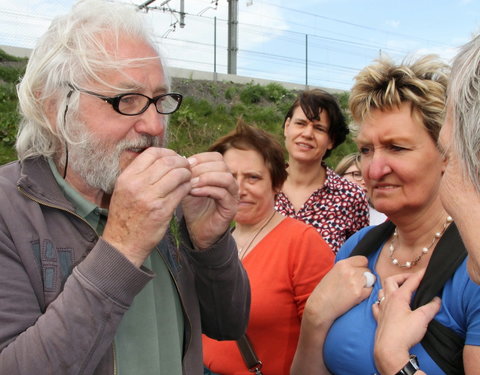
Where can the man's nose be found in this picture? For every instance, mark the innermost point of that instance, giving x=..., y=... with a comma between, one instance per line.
x=151, y=122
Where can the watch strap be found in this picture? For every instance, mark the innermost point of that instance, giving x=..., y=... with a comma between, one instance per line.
x=411, y=366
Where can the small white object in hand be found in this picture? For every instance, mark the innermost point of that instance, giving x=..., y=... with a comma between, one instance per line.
x=369, y=279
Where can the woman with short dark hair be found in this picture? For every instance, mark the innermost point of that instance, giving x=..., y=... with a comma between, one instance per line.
x=313, y=193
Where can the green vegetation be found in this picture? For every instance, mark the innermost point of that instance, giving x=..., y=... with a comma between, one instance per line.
x=11, y=68
x=209, y=110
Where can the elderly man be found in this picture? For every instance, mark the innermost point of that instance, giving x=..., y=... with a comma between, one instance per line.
x=96, y=277
x=460, y=138
x=460, y=193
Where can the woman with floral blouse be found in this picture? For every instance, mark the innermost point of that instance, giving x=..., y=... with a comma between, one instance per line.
x=314, y=193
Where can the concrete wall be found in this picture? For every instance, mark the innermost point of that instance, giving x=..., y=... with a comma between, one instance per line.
x=211, y=76
x=17, y=51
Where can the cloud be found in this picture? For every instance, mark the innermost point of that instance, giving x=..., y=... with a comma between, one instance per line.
x=446, y=54
x=394, y=24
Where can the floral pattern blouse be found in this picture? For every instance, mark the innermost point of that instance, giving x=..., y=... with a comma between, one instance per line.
x=336, y=210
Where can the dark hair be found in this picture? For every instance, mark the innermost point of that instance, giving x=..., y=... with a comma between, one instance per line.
x=313, y=102
x=248, y=137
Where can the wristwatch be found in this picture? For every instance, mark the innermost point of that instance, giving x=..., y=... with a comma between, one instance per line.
x=411, y=367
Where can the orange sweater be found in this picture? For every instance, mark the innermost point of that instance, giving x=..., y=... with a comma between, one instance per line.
x=283, y=269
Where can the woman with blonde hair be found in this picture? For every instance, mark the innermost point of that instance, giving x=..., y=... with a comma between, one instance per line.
x=398, y=111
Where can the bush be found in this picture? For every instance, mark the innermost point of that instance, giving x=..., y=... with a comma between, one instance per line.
x=275, y=92
x=10, y=74
x=252, y=93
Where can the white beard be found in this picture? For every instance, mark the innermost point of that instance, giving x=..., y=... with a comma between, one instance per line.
x=97, y=161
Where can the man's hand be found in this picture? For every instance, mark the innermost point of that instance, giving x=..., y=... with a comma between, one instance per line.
x=144, y=199
x=212, y=203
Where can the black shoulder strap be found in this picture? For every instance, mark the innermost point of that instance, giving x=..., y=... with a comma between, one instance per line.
x=444, y=345
x=373, y=239
x=249, y=356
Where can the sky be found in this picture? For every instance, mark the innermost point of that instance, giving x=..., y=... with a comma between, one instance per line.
x=322, y=43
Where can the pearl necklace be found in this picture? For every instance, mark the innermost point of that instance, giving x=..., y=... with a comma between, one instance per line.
x=242, y=251
x=425, y=250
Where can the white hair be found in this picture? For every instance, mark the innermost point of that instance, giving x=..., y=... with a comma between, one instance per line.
x=464, y=98
x=76, y=48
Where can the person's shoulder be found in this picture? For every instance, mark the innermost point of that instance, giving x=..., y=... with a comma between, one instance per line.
x=461, y=279
x=301, y=233
x=10, y=172
x=297, y=229
x=9, y=166
x=351, y=242
x=293, y=225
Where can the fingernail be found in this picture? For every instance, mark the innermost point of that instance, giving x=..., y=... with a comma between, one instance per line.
x=194, y=181
x=192, y=161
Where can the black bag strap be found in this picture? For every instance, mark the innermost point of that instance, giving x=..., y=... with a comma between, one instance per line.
x=373, y=239
x=443, y=344
x=249, y=356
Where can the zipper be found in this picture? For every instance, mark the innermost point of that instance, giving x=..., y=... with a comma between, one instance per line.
x=114, y=355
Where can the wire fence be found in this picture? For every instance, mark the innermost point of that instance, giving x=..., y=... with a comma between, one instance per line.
x=318, y=59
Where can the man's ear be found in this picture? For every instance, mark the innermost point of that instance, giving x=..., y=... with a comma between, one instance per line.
x=50, y=108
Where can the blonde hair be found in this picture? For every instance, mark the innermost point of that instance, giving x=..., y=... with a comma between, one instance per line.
x=385, y=85
x=346, y=162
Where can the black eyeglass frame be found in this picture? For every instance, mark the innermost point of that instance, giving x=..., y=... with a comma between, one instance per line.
x=114, y=101
x=357, y=176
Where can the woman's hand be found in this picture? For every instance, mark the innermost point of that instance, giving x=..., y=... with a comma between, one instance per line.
x=341, y=288
x=399, y=328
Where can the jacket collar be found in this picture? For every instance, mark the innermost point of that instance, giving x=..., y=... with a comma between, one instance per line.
x=37, y=180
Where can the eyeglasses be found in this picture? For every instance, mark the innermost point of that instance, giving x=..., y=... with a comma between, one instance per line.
x=357, y=175
x=132, y=104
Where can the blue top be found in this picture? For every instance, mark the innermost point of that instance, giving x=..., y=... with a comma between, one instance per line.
x=349, y=344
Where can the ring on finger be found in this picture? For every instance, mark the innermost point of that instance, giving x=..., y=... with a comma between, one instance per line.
x=369, y=279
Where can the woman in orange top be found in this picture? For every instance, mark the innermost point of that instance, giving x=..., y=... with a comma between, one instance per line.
x=284, y=258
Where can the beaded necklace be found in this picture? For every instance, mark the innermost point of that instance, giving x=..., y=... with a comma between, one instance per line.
x=425, y=250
